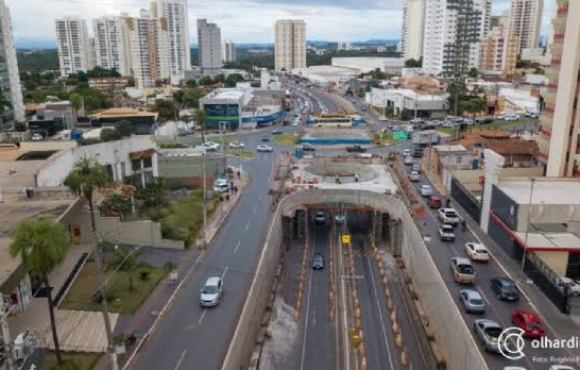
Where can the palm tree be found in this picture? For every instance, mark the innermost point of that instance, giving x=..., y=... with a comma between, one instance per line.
x=86, y=177
x=41, y=244
x=200, y=118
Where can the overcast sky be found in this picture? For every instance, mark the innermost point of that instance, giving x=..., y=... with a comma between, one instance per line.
x=243, y=21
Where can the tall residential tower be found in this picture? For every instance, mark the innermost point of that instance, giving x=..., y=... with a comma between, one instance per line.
x=290, y=44
x=413, y=22
x=230, y=54
x=209, y=39
x=74, y=52
x=524, y=21
x=9, y=77
x=112, y=44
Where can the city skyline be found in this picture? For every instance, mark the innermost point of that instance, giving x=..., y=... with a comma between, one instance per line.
x=248, y=21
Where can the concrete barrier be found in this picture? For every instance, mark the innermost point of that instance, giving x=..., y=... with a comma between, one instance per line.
x=457, y=345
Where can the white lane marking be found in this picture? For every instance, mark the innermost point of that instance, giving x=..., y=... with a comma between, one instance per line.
x=225, y=272
x=181, y=358
x=247, y=226
x=380, y=312
x=346, y=347
x=306, y=322
x=202, y=316
x=255, y=208
x=237, y=247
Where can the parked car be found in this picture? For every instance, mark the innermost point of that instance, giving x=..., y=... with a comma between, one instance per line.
x=477, y=251
x=511, y=117
x=210, y=146
x=212, y=291
x=408, y=160
x=434, y=201
x=484, y=120
x=356, y=149
x=529, y=322
x=320, y=218
x=418, y=152
x=472, y=301
x=449, y=216
x=37, y=137
x=426, y=190
x=236, y=145
x=263, y=148
x=505, y=288
x=221, y=185
x=567, y=284
x=488, y=332
x=446, y=233
x=416, y=167
x=414, y=176
x=308, y=148
x=318, y=262
x=462, y=270
x=276, y=132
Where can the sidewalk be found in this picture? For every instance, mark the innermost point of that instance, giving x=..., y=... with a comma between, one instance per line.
x=143, y=322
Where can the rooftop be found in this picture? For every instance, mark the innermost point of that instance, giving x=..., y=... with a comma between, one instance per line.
x=449, y=149
x=545, y=242
x=546, y=191
x=499, y=141
x=226, y=94
x=122, y=112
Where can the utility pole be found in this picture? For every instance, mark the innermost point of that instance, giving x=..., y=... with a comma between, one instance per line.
x=204, y=199
x=5, y=334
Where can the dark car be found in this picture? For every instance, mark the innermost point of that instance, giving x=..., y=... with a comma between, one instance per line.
x=308, y=148
x=355, y=149
x=505, y=288
x=318, y=262
x=265, y=139
x=418, y=153
x=434, y=201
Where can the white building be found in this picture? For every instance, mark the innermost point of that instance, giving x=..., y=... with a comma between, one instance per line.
x=230, y=54
x=290, y=44
x=452, y=33
x=346, y=46
x=368, y=64
x=209, y=39
x=9, y=76
x=73, y=45
x=407, y=101
x=326, y=75
x=524, y=21
x=148, y=49
x=174, y=14
x=536, y=55
x=112, y=47
x=413, y=23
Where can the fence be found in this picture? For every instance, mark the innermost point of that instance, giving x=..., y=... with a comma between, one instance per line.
x=462, y=196
x=544, y=278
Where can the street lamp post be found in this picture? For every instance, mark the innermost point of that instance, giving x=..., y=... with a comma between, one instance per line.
x=532, y=181
x=203, y=154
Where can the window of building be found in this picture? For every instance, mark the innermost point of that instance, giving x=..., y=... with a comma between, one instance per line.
x=147, y=162
x=136, y=165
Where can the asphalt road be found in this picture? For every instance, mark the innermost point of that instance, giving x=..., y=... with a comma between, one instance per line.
x=497, y=310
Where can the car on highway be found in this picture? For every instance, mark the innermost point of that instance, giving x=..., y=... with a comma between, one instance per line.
x=472, y=301
x=318, y=261
x=434, y=201
x=356, y=149
x=418, y=152
x=339, y=219
x=212, y=291
x=408, y=160
x=488, y=332
x=477, y=251
x=505, y=288
x=265, y=139
x=416, y=167
x=236, y=145
x=263, y=148
x=210, y=146
x=308, y=148
x=529, y=322
x=449, y=216
x=567, y=284
x=320, y=218
x=414, y=176
x=295, y=123
x=511, y=117
x=276, y=132
x=446, y=233
x=406, y=152
x=426, y=190
x=462, y=270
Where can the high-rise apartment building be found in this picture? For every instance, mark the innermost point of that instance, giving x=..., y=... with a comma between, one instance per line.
x=559, y=138
x=149, y=52
x=112, y=44
x=290, y=44
x=73, y=45
x=499, y=51
x=524, y=21
x=209, y=39
x=9, y=77
x=230, y=53
x=174, y=13
x=452, y=34
x=412, y=35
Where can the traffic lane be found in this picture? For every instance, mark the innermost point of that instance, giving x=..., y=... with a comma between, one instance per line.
x=497, y=310
x=319, y=340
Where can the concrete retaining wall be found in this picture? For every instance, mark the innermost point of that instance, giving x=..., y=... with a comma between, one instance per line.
x=458, y=346
x=142, y=232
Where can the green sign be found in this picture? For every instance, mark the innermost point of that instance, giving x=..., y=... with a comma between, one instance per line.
x=400, y=135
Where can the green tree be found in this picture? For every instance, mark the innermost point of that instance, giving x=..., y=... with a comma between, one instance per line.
x=206, y=80
x=128, y=261
x=200, y=118
x=125, y=128
x=413, y=63
x=457, y=91
x=191, y=84
x=153, y=197
x=473, y=72
x=221, y=78
x=166, y=110
x=474, y=106
x=42, y=245
x=94, y=99
x=233, y=79
x=76, y=102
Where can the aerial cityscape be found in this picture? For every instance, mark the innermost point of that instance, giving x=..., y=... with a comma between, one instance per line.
x=305, y=185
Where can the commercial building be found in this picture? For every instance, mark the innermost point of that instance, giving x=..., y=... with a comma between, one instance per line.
x=536, y=55
x=367, y=64
x=413, y=23
x=524, y=21
x=73, y=45
x=148, y=49
x=560, y=120
x=174, y=15
x=452, y=34
x=112, y=46
x=409, y=103
x=346, y=46
x=209, y=39
x=9, y=77
x=143, y=122
x=290, y=44
x=326, y=75
x=230, y=53
x=499, y=52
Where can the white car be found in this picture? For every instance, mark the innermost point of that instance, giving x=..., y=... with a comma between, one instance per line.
x=477, y=252
x=407, y=153
x=236, y=145
x=488, y=332
x=449, y=216
x=414, y=176
x=210, y=146
x=339, y=219
x=426, y=190
x=221, y=185
x=408, y=160
x=263, y=148
x=511, y=117
x=564, y=282
x=446, y=233
x=37, y=137
x=211, y=293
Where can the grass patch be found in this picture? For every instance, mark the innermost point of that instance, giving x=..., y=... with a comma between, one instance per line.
x=245, y=154
x=72, y=361
x=121, y=299
x=489, y=126
x=289, y=139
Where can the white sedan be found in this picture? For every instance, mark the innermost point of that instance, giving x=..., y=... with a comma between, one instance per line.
x=236, y=145
x=263, y=148
x=477, y=252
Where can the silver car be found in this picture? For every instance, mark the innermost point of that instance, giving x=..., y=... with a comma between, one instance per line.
x=211, y=293
x=472, y=301
x=488, y=332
